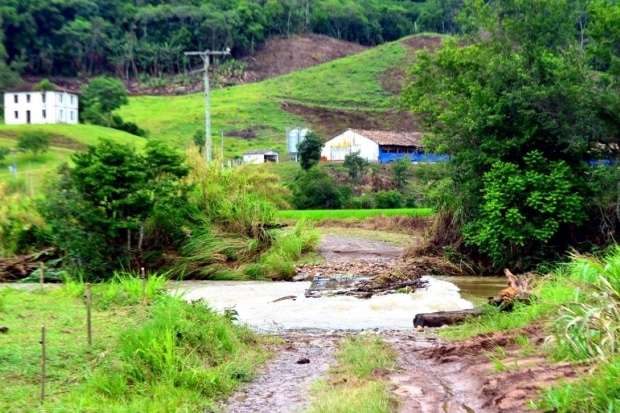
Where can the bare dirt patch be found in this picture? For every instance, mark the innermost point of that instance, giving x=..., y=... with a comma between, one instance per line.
x=58, y=141
x=281, y=55
x=329, y=121
x=462, y=377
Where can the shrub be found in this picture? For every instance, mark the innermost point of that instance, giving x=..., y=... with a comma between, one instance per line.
x=356, y=166
x=278, y=263
x=4, y=152
x=105, y=211
x=21, y=226
x=316, y=189
x=34, y=141
x=388, y=199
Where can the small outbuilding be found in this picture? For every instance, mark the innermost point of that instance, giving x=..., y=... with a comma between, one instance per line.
x=261, y=156
x=378, y=146
x=40, y=107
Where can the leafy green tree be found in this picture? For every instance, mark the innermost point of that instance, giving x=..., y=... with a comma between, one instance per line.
x=519, y=93
x=356, y=166
x=109, y=207
x=36, y=142
x=310, y=150
x=106, y=93
x=314, y=188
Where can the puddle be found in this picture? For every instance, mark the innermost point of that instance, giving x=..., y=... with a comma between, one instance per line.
x=477, y=289
x=256, y=304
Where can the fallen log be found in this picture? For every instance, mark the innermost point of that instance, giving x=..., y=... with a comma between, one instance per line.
x=21, y=266
x=444, y=318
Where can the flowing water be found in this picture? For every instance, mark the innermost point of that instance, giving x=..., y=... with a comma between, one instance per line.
x=274, y=306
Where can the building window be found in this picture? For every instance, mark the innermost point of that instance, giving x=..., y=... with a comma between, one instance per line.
x=16, y=98
x=28, y=98
x=61, y=98
x=61, y=118
x=72, y=97
x=16, y=115
x=71, y=115
x=43, y=95
x=44, y=114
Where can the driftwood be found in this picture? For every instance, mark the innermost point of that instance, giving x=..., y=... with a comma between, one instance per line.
x=444, y=318
x=519, y=290
x=368, y=289
x=21, y=266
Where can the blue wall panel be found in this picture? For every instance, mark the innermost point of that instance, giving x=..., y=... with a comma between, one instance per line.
x=387, y=157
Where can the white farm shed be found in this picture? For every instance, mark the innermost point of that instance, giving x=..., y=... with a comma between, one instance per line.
x=261, y=156
x=21, y=108
x=370, y=144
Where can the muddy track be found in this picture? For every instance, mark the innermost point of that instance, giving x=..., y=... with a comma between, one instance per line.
x=284, y=385
x=424, y=386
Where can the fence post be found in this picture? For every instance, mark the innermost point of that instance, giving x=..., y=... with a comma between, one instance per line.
x=89, y=325
x=42, y=274
x=43, y=358
x=143, y=276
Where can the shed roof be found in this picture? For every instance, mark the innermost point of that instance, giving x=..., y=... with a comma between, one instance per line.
x=261, y=152
x=391, y=137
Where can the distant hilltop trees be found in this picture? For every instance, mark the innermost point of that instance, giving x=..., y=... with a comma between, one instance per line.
x=71, y=37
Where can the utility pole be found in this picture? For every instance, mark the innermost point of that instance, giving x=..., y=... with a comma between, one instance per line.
x=206, y=57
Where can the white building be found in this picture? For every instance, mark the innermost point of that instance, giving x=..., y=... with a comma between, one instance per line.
x=22, y=108
x=257, y=157
x=372, y=145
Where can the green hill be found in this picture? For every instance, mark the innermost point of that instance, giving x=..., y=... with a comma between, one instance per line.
x=65, y=140
x=256, y=115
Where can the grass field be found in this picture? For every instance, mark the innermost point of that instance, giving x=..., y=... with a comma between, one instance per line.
x=150, y=353
x=65, y=140
x=349, y=214
x=352, y=82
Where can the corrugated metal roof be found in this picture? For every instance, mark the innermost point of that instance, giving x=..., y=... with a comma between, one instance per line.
x=392, y=138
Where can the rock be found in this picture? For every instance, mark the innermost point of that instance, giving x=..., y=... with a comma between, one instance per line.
x=4, y=329
x=303, y=360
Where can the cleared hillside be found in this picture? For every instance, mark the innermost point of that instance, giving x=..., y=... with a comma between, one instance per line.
x=256, y=115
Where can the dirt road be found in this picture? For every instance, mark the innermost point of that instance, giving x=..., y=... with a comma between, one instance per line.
x=431, y=376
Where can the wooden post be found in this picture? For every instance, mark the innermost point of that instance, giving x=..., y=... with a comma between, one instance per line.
x=89, y=325
x=143, y=276
x=43, y=357
x=42, y=274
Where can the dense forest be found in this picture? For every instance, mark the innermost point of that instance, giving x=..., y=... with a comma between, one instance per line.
x=131, y=37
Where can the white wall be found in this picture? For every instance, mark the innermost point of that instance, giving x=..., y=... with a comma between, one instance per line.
x=59, y=107
x=348, y=142
x=254, y=158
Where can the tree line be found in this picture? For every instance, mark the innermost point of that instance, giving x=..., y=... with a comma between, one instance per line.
x=125, y=37
x=527, y=106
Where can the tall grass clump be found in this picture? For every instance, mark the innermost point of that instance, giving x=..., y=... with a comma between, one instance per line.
x=596, y=393
x=590, y=326
x=123, y=289
x=353, y=386
x=183, y=358
x=289, y=245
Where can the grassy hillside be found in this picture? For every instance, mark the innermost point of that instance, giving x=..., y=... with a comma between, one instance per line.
x=65, y=140
x=350, y=83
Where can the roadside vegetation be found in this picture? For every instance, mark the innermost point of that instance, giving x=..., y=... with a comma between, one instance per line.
x=150, y=352
x=519, y=104
x=354, y=384
x=578, y=307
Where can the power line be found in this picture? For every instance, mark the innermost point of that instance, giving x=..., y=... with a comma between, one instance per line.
x=206, y=57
